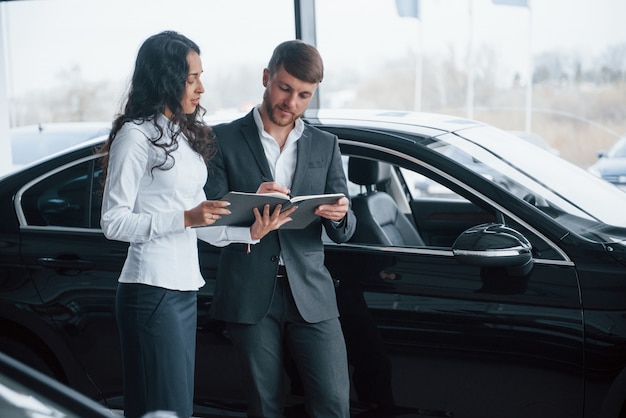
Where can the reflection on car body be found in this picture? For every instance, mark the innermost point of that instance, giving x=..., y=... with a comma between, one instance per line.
x=26, y=393
x=535, y=139
x=509, y=305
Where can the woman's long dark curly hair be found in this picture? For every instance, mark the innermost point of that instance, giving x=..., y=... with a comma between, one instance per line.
x=158, y=81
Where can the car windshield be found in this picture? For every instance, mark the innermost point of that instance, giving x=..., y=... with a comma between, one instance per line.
x=551, y=183
x=618, y=150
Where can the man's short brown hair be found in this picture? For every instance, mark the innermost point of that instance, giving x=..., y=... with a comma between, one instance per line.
x=299, y=59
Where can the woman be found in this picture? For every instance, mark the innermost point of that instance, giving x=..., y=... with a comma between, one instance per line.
x=154, y=178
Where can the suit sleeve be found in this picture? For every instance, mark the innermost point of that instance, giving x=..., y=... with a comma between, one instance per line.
x=336, y=183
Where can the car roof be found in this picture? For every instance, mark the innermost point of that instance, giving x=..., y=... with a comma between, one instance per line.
x=426, y=124
x=33, y=142
x=61, y=127
x=387, y=118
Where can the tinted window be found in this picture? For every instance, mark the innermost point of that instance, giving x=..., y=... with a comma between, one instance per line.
x=69, y=198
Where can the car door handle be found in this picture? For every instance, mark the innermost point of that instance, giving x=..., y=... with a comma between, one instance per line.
x=389, y=276
x=65, y=264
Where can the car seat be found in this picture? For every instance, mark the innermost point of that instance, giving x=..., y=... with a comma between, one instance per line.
x=379, y=219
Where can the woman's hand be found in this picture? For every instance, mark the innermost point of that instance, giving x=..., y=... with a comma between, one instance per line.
x=267, y=221
x=206, y=213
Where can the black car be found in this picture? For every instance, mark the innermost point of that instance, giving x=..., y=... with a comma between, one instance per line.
x=503, y=297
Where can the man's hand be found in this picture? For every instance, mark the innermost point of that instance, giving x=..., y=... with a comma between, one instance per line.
x=273, y=187
x=334, y=212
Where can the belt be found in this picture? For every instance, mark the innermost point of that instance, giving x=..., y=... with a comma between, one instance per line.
x=282, y=271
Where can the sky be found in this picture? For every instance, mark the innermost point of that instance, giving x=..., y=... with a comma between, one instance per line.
x=39, y=45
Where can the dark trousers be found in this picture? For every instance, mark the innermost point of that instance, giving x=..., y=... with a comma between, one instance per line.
x=158, y=337
x=318, y=352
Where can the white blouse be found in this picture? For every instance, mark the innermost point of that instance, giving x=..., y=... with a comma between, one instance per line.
x=145, y=207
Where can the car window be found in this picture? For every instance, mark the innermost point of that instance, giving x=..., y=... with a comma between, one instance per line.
x=69, y=198
x=404, y=208
x=429, y=216
x=420, y=186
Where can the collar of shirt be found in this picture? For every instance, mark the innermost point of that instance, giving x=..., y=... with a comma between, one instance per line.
x=282, y=164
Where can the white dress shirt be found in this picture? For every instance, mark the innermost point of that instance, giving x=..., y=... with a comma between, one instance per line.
x=145, y=207
x=282, y=164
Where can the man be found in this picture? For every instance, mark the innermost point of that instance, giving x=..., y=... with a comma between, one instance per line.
x=277, y=294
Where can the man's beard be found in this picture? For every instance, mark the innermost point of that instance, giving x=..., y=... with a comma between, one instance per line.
x=269, y=109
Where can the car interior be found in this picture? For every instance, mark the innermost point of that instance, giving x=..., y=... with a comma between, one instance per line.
x=380, y=220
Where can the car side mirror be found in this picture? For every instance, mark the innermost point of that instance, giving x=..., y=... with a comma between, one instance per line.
x=494, y=245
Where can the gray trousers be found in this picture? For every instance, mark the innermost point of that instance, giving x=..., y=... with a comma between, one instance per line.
x=318, y=351
x=158, y=337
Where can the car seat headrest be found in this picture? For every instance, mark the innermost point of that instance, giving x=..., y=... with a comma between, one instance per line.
x=367, y=172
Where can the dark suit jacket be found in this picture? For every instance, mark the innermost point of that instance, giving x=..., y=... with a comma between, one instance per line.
x=246, y=282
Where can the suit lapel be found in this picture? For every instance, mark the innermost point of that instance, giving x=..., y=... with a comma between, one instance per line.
x=304, y=151
x=250, y=134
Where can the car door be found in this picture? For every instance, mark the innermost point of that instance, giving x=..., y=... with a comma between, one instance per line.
x=74, y=269
x=429, y=333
